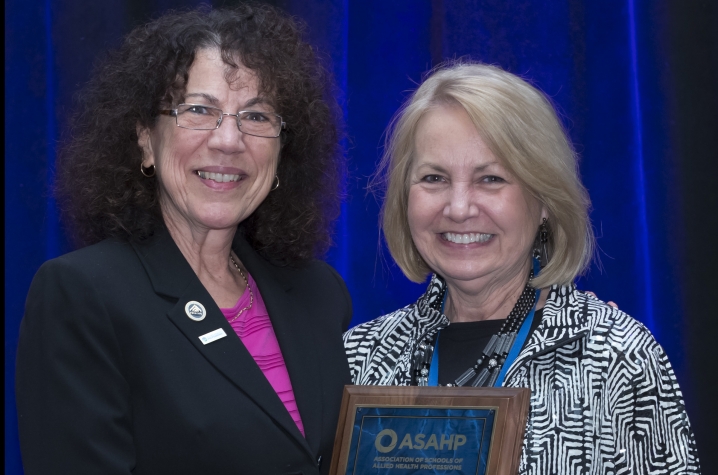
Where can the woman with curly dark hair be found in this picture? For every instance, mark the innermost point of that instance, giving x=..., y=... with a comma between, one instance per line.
x=195, y=332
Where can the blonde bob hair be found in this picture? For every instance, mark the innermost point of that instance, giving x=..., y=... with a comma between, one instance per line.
x=519, y=125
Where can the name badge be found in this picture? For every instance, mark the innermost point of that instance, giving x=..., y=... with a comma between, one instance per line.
x=212, y=336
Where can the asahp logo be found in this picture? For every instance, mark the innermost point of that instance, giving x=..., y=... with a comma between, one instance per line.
x=417, y=441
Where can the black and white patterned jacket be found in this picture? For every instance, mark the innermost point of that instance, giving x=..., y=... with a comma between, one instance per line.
x=604, y=398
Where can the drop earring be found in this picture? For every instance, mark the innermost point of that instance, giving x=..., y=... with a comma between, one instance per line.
x=541, y=244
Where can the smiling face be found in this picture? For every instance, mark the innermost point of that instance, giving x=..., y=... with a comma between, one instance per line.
x=470, y=219
x=212, y=179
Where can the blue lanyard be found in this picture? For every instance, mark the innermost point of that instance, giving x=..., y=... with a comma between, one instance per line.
x=434, y=367
x=515, y=348
x=518, y=343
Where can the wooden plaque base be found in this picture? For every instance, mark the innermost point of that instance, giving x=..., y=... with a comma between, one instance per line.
x=508, y=407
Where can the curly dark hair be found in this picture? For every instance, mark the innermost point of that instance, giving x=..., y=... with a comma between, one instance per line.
x=98, y=183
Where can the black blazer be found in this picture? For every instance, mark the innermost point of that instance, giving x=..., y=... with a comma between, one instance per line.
x=112, y=377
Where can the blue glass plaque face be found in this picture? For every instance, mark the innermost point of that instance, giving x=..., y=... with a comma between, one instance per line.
x=415, y=440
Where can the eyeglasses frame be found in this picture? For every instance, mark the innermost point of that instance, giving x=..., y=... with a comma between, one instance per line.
x=174, y=113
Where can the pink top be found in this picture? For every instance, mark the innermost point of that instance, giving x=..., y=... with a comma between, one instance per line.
x=255, y=330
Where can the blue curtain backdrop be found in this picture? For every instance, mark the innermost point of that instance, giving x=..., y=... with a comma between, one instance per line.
x=634, y=80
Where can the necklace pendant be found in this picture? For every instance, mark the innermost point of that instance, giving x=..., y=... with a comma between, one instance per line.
x=483, y=375
x=491, y=344
x=499, y=345
x=493, y=378
x=465, y=377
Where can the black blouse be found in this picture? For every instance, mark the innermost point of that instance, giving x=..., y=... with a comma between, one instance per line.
x=461, y=343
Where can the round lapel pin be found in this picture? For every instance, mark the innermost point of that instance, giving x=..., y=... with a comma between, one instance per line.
x=195, y=311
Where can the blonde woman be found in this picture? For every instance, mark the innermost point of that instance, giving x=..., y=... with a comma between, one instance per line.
x=483, y=194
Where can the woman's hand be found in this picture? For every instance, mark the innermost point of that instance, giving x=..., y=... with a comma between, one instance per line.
x=610, y=302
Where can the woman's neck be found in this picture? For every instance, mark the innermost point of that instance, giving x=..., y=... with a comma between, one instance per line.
x=492, y=300
x=207, y=252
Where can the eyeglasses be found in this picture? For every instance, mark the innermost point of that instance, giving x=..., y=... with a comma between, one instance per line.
x=201, y=117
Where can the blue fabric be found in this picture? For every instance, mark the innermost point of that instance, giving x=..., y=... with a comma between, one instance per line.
x=622, y=82
x=518, y=344
x=522, y=335
x=515, y=348
x=434, y=368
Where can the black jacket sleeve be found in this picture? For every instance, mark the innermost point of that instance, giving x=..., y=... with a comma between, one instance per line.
x=72, y=397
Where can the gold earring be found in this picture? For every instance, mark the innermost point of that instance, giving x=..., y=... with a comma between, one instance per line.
x=151, y=168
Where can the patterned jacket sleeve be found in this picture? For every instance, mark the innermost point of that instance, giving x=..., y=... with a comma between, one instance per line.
x=374, y=351
x=355, y=355
x=360, y=345
x=648, y=419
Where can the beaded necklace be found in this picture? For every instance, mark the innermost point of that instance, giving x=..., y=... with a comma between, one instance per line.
x=246, y=283
x=488, y=366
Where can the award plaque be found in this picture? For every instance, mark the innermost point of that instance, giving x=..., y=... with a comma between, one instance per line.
x=406, y=430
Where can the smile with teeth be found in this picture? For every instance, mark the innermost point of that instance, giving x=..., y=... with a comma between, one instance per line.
x=218, y=177
x=466, y=238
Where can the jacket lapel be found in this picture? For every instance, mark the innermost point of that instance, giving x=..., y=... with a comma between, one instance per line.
x=559, y=326
x=173, y=277
x=297, y=340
